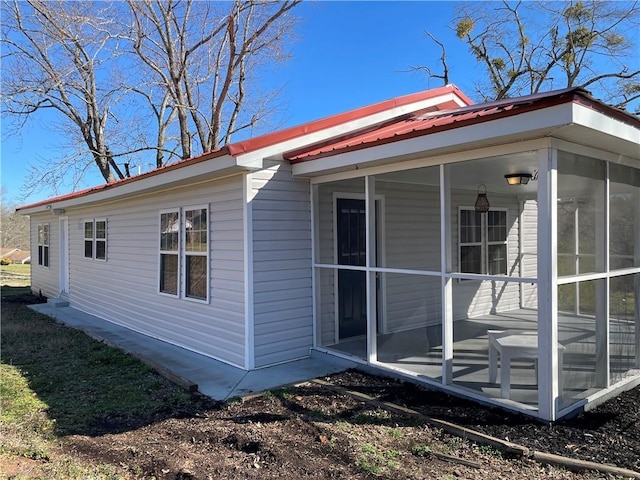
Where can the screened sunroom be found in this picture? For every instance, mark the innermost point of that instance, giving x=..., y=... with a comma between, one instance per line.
x=505, y=274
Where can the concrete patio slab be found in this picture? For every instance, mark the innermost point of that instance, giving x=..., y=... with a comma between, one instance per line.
x=214, y=378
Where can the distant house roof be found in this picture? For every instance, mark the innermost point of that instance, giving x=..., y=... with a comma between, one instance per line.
x=16, y=255
x=5, y=252
x=424, y=123
x=21, y=256
x=448, y=97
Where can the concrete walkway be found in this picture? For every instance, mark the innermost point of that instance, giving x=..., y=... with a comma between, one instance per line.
x=215, y=379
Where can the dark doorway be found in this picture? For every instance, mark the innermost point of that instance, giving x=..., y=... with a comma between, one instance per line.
x=352, y=285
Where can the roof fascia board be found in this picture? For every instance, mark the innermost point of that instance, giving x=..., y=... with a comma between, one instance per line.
x=431, y=161
x=219, y=166
x=591, y=118
x=531, y=124
x=254, y=158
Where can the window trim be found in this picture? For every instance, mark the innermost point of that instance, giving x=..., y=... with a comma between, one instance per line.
x=186, y=254
x=44, y=260
x=484, y=242
x=183, y=254
x=169, y=252
x=94, y=239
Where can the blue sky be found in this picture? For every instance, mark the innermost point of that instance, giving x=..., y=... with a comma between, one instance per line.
x=347, y=55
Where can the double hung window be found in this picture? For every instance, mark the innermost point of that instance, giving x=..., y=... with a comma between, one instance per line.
x=95, y=239
x=483, y=241
x=43, y=244
x=184, y=260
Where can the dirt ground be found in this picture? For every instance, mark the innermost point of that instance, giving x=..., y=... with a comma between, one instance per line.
x=311, y=431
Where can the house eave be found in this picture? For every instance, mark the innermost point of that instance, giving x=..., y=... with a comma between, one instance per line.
x=207, y=169
x=250, y=159
x=573, y=122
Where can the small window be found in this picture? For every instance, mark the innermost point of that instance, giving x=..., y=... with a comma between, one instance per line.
x=470, y=241
x=483, y=242
x=101, y=239
x=43, y=244
x=88, y=239
x=95, y=239
x=195, y=231
x=184, y=253
x=169, y=252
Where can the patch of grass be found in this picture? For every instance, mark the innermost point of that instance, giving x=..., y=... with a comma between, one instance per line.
x=448, y=476
x=421, y=450
x=374, y=461
x=16, y=275
x=375, y=416
x=342, y=425
x=57, y=381
x=88, y=388
x=396, y=433
x=25, y=425
x=491, y=450
x=283, y=393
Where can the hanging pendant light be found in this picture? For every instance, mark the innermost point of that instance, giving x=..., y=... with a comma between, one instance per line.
x=482, y=202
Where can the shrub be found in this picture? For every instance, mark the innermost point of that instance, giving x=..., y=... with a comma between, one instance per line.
x=5, y=261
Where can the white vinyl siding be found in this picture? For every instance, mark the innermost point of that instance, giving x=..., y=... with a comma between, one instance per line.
x=411, y=237
x=45, y=280
x=529, y=253
x=282, y=296
x=124, y=290
x=475, y=298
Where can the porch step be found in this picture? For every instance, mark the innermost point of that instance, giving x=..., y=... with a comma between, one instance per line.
x=57, y=302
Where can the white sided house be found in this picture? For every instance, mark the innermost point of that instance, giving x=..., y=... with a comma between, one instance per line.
x=489, y=250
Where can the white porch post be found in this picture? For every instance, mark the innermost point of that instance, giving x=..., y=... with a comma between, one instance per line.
x=547, y=284
x=602, y=286
x=636, y=277
x=315, y=273
x=372, y=301
x=447, y=283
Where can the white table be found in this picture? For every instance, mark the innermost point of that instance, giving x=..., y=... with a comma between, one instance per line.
x=510, y=345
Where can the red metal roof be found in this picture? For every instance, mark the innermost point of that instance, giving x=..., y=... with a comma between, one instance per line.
x=424, y=123
x=274, y=138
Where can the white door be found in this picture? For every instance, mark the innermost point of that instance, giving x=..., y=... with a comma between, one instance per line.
x=64, y=256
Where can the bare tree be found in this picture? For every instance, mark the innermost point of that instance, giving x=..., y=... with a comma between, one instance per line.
x=527, y=47
x=56, y=57
x=14, y=228
x=126, y=79
x=203, y=55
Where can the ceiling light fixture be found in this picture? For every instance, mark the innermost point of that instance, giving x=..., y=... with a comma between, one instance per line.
x=518, y=178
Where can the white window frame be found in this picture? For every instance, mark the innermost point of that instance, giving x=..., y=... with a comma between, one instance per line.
x=484, y=240
x=182, y=253
x=94, y=239
x=169, y=252
x=470, y=244
x=185, y=253
x=44, y=260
